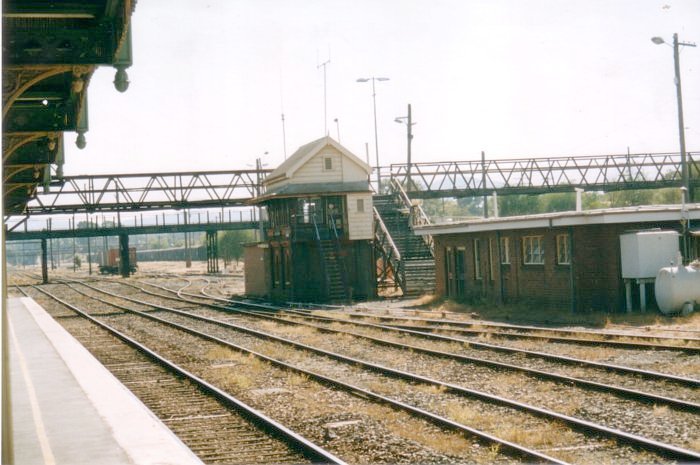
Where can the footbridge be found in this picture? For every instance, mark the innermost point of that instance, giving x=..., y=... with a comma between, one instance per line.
x=545, y=175
x=89, y=194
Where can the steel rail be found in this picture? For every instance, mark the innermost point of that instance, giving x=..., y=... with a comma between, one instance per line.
x=355, y=390
x=294, y=440
x=476, y=345
x=482, y=345
x=585, y=426
x=619, y=391
x=507, y=335
x=525, y=327
x=559, y=339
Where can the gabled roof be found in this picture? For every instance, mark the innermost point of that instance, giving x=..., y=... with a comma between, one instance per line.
x=307, y=152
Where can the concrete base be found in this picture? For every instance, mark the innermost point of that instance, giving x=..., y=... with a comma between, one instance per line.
x=69, y=409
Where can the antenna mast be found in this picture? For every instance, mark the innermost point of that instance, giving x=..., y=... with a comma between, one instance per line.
x=325, y=110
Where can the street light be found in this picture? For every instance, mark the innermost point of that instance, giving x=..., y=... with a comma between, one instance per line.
x=376, y=140
x=409, y=123
x=681, y=130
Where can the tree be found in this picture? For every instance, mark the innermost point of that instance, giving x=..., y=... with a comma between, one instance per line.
x=231, y=244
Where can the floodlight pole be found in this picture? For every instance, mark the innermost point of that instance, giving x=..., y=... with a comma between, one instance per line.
x=687, y=194
x=376, y=139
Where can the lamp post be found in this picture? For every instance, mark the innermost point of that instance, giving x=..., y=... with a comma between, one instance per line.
x=376, y=140
x=337, y=127
x=409, y=123
x=687, y=195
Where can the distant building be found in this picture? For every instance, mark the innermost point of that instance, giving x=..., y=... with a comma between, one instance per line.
x=317, y=243
x=565, y=260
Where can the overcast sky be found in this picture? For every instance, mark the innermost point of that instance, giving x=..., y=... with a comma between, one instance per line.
x=515, y=78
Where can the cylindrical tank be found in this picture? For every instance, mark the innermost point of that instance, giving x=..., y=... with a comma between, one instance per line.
x=677, y=288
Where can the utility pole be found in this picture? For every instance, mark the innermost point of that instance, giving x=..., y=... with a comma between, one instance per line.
x=483, y=184
x=408, y=155
x=687, y=194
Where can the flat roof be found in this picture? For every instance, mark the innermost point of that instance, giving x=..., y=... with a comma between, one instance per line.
x=636, y=214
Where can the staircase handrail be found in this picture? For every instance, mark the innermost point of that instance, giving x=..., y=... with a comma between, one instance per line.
x=320, y=253
x=417, y=214
x=382, y=238
x=343, y=267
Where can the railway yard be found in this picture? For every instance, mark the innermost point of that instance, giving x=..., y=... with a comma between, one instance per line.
x=244, y=381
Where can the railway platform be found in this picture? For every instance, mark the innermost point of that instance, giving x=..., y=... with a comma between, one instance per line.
x=67, y=408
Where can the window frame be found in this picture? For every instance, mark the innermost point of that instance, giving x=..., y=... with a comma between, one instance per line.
x=566, y=251
x=530, y=257
x=360, y=205
x=327, y=163
x=505, y=250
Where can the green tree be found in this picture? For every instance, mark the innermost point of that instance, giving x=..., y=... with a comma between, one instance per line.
x=231, y=244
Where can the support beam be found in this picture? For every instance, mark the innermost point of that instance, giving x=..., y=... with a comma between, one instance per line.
x=124, y=263
x=212, y=252
x=44, y=266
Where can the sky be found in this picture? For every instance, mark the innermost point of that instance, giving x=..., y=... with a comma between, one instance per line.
x=514, y=78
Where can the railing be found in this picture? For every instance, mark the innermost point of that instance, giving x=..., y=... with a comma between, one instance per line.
x=418, y=217
x=391, y=257
x=544, y=175
x=343, y=266
x=322, y=262
x=143, y=191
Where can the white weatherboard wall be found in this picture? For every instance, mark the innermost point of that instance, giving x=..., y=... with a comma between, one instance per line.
x=314, y=171
x=359, y=223
x=643, y=254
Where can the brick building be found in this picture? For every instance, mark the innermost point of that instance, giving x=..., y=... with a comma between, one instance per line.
x=565, y=260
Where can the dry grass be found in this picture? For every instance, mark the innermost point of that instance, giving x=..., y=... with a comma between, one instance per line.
x=470, y=417
x=660, y=410
x=403, y=425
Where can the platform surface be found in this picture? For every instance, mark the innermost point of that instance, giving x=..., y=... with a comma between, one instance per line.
x=67, y=408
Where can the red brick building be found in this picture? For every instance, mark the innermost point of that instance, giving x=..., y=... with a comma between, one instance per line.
x=565, y=260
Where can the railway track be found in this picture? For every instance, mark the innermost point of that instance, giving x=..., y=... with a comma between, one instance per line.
x=478, y=346
x=574, y=422
x=136, y=321
x=217, y=427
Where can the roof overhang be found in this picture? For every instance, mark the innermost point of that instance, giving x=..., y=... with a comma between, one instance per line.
x=312, y=190
x=641, y=214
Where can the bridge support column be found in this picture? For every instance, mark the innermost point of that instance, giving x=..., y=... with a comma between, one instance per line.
x=124, y=264
x=212, y=252
x=44, y=265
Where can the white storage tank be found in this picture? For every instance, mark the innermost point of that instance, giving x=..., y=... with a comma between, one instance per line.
x=643, y=253
x=677, y=288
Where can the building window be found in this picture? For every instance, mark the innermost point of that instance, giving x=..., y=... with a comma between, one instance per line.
x=505, y=251
x=563, y=251
x=328, y=164
x=360, y=205
x=533, y=250
x=477, y=260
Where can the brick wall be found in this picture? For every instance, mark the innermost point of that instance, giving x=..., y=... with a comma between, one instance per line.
x=591, y=282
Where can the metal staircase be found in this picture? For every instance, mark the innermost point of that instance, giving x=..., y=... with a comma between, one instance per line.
x=332, y=263
x=409, y=260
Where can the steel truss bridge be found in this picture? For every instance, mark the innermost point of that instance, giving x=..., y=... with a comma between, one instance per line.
x=90, y=194
x=546, y=175
x=148, y=191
